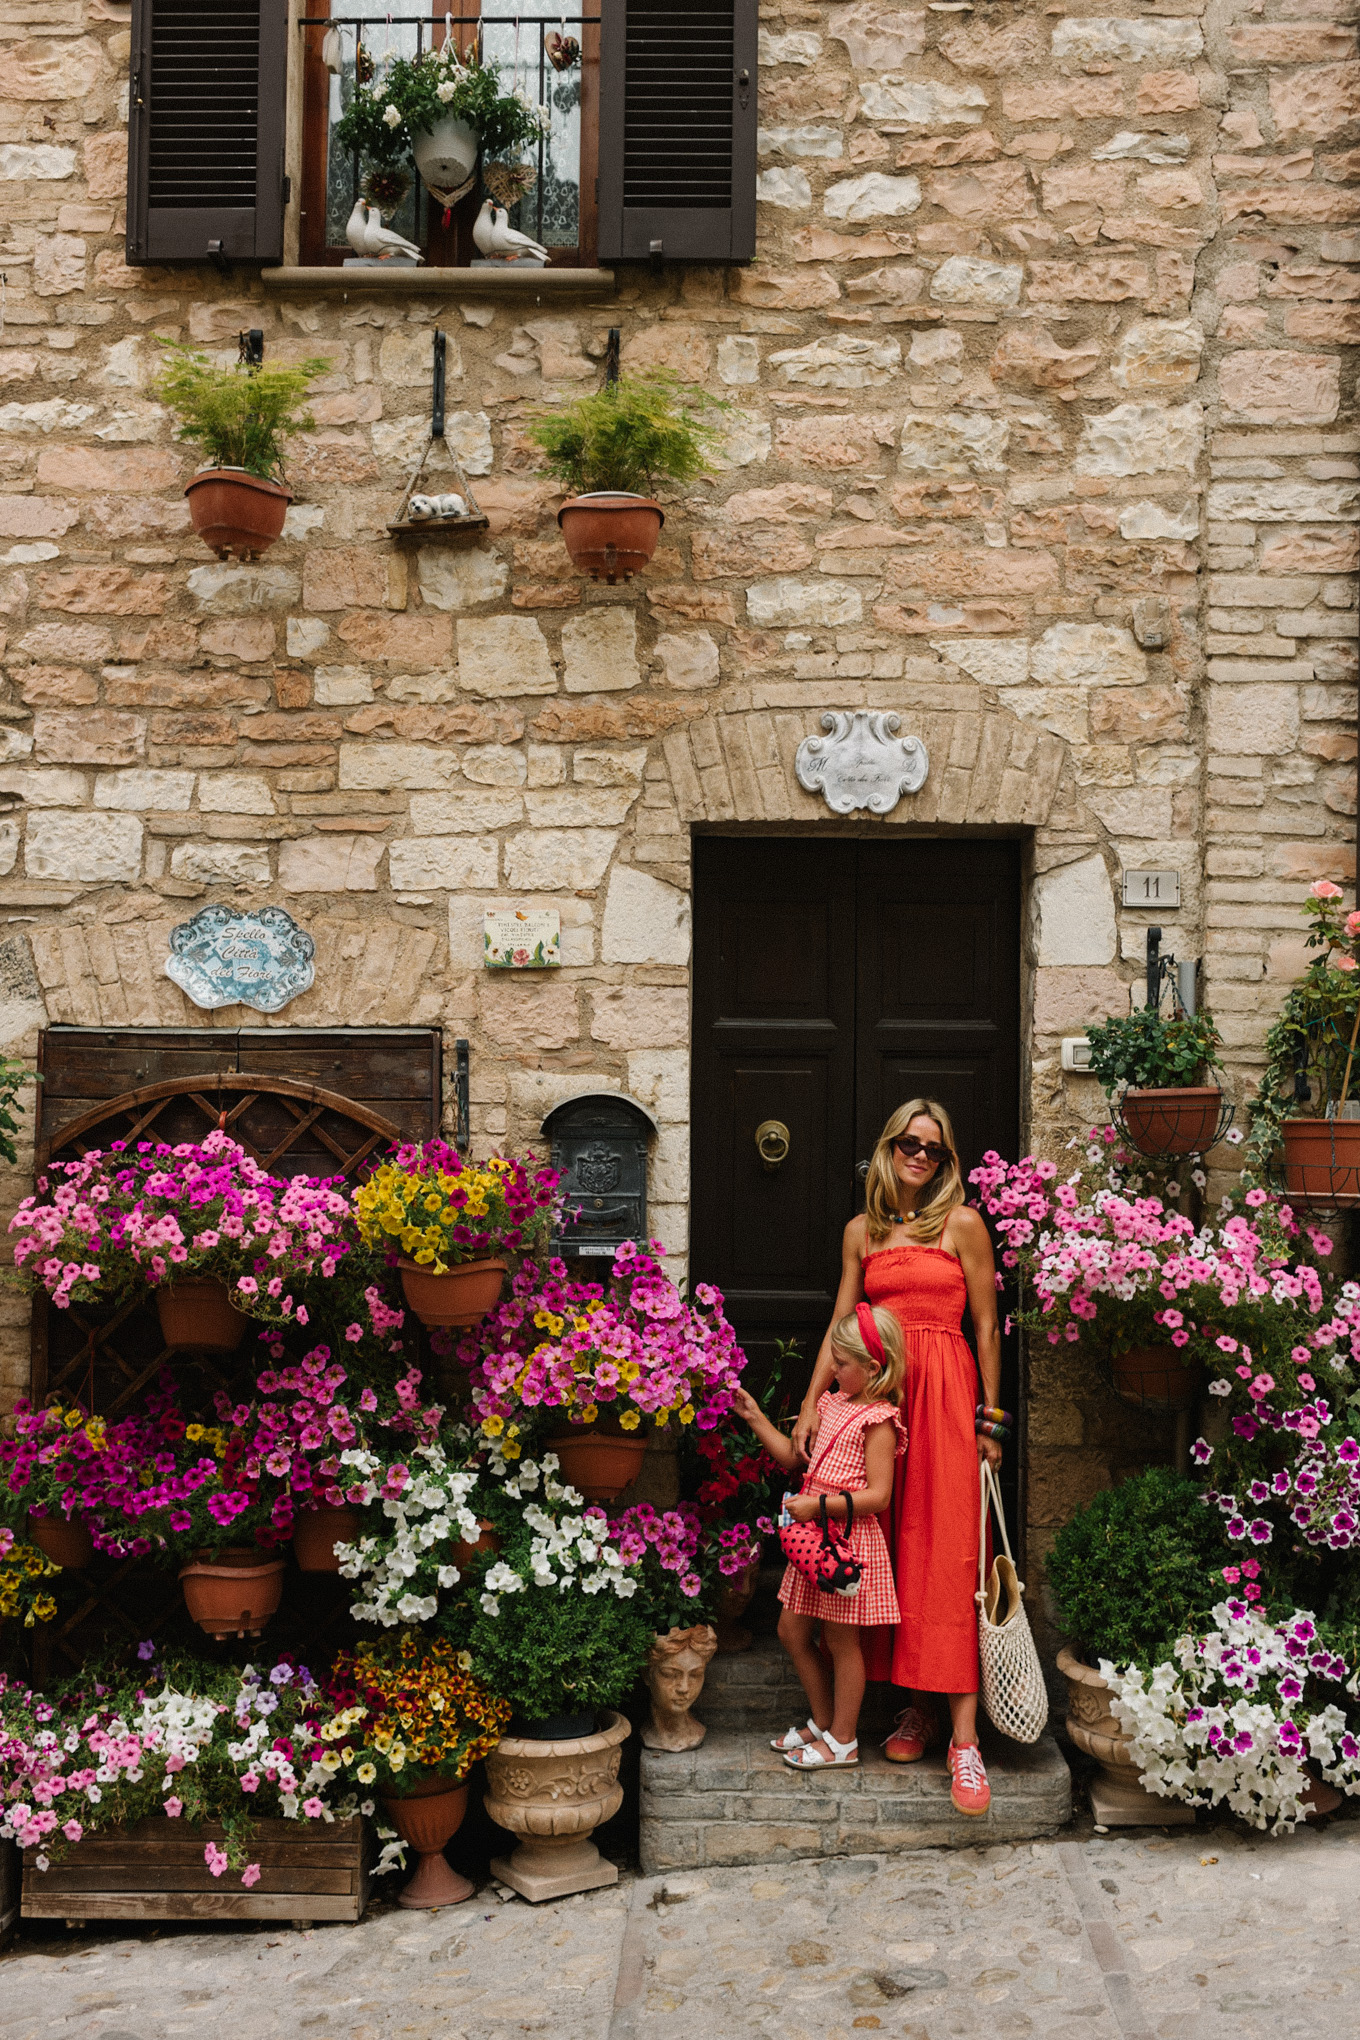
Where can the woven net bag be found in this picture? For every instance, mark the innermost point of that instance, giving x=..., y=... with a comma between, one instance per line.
x=1013, y=1690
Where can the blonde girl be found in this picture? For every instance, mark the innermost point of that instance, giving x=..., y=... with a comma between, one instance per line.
x=857, y=1437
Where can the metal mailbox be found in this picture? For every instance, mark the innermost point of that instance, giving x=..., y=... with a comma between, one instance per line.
x=600, y=1142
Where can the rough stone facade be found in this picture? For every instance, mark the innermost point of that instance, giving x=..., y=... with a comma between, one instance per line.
x=1042, y=436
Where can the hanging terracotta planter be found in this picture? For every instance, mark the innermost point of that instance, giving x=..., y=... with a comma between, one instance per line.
x=733, y=1601
x=600, y=1466
x=233, y=1593
x=1154, y=1377
x=63, y=1539
x=610, y=535
x=201, y=1315
x=238, y=515
x=1322, y=1162
x=316, y=1532
x=427, y=1818
x=460, y=1296
x=554, y=1794
x=1173, y=1122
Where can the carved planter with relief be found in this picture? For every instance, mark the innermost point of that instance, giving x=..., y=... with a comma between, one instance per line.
x=1118, y=1796
x=554, y=1794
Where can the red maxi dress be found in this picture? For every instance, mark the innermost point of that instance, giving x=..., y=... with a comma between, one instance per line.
x=933, y=1530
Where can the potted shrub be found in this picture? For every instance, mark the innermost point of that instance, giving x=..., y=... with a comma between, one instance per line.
x=611, y=449
x=239, y=417
x=1311, y=1059
x=1163, y=1109
x=410, y=1723
x=452, y=1224
x=441, y=110
x=607, y=1357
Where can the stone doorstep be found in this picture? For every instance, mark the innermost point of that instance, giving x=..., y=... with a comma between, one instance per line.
x=733, y=1800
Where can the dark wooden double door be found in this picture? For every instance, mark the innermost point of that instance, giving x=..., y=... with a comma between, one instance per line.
x=834, y=979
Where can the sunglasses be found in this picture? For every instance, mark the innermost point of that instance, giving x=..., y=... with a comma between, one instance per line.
x=909, y=1148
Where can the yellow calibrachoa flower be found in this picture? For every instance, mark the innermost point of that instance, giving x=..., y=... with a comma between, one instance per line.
x=629, y=1420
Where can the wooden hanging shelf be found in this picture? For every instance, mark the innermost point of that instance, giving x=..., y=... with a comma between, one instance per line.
x=403, y=525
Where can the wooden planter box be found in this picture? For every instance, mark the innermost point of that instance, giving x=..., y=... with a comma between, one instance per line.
x=155, y=1871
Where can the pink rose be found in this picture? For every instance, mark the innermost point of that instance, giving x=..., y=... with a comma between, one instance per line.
x=1323, y=889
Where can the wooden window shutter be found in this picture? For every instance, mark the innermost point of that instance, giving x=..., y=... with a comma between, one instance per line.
x=206, y=128
x=678, y=130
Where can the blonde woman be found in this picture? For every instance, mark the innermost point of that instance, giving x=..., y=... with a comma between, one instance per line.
x=920, y=1252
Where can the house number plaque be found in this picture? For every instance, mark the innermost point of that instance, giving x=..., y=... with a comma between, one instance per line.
x=1152, y=889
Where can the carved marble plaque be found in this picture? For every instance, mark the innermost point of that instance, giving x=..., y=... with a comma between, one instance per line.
x=861, y=762
x=224, y=957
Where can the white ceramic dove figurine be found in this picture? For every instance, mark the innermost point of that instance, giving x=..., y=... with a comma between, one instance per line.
x=356, y=227
x=494, y=235
x=381, y=241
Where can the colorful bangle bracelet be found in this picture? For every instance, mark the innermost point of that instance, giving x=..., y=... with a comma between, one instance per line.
x=986, y=1429
x=995, y=1416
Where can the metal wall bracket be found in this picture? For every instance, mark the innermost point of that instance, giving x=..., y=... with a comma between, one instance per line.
x=462, y=1091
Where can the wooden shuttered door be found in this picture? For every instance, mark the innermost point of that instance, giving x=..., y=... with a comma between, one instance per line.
x=206, y=129
x=678, y=130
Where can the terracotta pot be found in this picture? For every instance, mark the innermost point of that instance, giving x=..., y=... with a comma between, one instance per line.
x=428, y=1817
x=63, y=1539
x=554, y=1795
x=1154, y=1378
x=463, y=1553
x=598, y=1465
x=1322, y=1162
x=316, y=1532
x=610, y=535
x=733, y=1601
x=460, y=1296
x=1174, y=1122
x=676, y=1664
x=233, y=1593
x=200, y=1314
x=237, y=514
x=1118, y=1796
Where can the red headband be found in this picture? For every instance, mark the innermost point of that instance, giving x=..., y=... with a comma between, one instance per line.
x=868, y=1331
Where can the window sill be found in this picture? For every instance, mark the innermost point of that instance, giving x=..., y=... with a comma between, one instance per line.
x=515, y=286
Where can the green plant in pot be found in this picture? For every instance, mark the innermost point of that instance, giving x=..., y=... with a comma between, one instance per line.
x=1131, y=1572
x=1159, y=1064
x=611, y=449
x=240, y=418
x=1308, y=1100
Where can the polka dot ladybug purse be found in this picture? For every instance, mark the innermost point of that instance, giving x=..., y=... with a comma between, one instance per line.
x=820, y=1550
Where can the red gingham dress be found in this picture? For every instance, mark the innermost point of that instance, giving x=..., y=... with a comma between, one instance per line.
x=841, y=1465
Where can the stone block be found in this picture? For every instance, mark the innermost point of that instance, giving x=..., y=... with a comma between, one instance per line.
x=251, y=639
x=222, y=590
x=216, y=863
x=1158, y=354
x=234, y=793
x=965, y=280
x=1101, y=39
x=1141, y=439
x=685, y=352
x=345, y=577
x=1087, y=655
x=522, y=1011
x=341, y=686
x=788, y=602
x=94, y=848
x=659, y=1077
x=921, y=103
x=1315, y=103
x=1071, y=998
x=599, y=650
x=103, y=591
x=558, y=860
x=788, y=189
x=873, y=196
x=688, y=660
x=457, y=813
x=419, y=643
x=379, y=767
x=88, y=737
x=460, y=580
x=58, y=264
x=442, y=863
x=1275, y=386
x=954, y=442
x=644, y=920
x=643, y=1016
x=1283, y=502
x=504, y=656
x=835, y=443
x=1074, y=913
x=330, y=863
x=133, y=470
x=144, y=791
x=1143, y=812
x=878, y=38
x=1253, y=721
x=842, y=361
x=579, y=807
x=494, y=765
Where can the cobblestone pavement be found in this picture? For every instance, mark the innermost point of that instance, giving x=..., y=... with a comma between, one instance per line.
x=1204, y=1935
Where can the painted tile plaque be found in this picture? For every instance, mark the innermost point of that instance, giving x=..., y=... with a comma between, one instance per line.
x=225, y=957
x=516, y=938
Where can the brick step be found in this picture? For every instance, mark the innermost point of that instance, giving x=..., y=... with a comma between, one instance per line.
x=733, y=1800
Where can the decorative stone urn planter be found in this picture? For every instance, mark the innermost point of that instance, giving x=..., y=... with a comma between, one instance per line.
x=1181, y=1121
x=555, y=1794
x=238, y=515
x=1322, y=1162
x=200, y=1315
x=63, y=1539
x=460, y=1296
x=597, y=1464
x=427, y=1818
x=676, y=1664
x=234, y=1593
x=316, y=1532
x=610, y=534
x=1118, y=1796
x=1154, y=1377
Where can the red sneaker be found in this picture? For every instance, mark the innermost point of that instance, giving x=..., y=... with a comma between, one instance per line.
x=911, y=1738
x=968, y=1786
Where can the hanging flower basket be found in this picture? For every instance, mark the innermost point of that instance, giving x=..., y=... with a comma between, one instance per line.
x=238, y=515
x=1322, y=1162
x=427, y=1817
x=200, y=1315
x=233, y=1593
x=316, y=1532
x=64, y=1539
x=1181, y=1121
x=1154, y=1377
x=598, y=1466
x=460, y=1296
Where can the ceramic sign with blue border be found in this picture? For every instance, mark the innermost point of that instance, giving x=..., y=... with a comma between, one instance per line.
x=225, y=957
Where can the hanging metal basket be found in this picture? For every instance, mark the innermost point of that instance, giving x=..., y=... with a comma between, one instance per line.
x=1158, y=1125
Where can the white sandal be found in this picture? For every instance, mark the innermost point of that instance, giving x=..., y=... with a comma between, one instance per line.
x=796, y=1738
x=809, y=1758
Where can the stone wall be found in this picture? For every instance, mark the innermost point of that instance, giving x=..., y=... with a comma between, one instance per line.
x=1041, y=435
